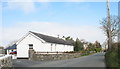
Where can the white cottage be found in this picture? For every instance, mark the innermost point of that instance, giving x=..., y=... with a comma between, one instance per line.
x=41, y=43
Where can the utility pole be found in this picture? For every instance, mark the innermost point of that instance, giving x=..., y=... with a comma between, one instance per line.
x=119, y=24
x=109, y=26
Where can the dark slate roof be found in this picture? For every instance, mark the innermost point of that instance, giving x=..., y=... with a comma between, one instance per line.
x=51, y=39
x=12, y=47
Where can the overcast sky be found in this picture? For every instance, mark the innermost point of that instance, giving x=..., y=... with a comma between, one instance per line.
x=75, y=18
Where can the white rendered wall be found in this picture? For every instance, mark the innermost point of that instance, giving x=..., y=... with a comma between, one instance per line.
x=23, y=46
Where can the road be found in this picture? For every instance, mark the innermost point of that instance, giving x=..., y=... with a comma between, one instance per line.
x=95, y=60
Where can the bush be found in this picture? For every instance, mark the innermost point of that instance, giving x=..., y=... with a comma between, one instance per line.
x=113, y=56
x=112, y=59
x=82, y=51
x=98, y=49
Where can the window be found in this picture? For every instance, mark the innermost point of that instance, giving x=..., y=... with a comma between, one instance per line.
x=30, y=46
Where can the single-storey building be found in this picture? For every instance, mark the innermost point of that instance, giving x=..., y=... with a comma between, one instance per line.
x=11, y=48
x=41, y=43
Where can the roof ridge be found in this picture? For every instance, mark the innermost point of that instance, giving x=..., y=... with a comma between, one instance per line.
x=51, y=39
x=46, y=35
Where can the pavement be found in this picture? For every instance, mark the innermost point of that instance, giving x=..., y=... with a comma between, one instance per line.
x=95, y=60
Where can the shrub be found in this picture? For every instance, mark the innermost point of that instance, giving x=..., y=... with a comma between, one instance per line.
x=82, y=51
x=98, y=49
x=113, y=56
x=112, y=59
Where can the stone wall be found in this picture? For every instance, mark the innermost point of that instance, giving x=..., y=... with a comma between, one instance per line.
x=5, y=61
x=55, y=56
x=36, y=56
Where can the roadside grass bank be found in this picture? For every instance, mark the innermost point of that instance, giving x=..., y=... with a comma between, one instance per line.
x=113, y=57
x=86, y=54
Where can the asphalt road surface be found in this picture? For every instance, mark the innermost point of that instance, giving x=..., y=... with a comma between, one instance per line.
x=95, y=60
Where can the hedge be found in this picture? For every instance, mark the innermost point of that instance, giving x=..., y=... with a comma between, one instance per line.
x=113, y=57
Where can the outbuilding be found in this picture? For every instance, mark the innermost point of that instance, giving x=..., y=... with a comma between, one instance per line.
x=11, y=48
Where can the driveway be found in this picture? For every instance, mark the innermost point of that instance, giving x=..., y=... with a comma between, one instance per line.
x=95, y=60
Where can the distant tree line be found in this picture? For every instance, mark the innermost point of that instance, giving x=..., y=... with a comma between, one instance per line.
x=79, y=45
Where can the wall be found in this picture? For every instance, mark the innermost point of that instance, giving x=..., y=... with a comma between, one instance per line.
x=35, y=56
x=55, y=56
x=5, y=61
x=23, y=46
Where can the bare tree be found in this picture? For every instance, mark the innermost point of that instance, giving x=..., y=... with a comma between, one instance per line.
x=110, y=32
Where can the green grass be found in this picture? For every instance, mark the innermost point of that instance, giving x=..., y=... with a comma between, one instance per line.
x=87, y=54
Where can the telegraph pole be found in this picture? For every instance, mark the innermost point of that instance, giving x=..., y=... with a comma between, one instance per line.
x=109, y=26
x=119, y=24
